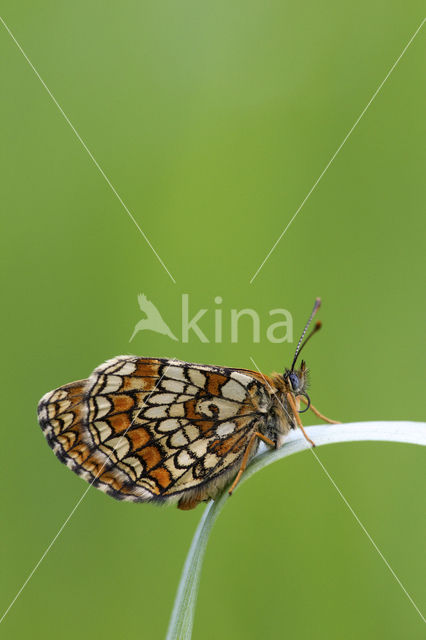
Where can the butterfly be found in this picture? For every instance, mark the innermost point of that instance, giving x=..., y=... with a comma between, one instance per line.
x=166, y=431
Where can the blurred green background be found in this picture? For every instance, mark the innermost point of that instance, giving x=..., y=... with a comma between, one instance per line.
x=213, y=121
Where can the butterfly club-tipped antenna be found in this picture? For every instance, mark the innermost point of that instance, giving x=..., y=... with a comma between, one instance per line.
x=316, y=328
x=293, y=376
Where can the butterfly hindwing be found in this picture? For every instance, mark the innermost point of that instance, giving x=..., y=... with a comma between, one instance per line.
x=155, y=429
x=61, y=417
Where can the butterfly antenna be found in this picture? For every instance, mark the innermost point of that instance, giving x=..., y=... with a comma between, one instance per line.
x=302, y=342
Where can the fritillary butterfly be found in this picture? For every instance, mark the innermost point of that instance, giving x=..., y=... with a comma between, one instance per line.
x=162, y=430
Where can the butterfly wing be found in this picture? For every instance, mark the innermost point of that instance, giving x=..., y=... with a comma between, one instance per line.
x=61, y=415
x=151, y=429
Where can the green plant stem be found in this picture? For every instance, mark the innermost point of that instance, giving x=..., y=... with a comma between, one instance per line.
x=182, y=618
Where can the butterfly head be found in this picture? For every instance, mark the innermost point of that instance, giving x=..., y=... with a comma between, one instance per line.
x=297, y=382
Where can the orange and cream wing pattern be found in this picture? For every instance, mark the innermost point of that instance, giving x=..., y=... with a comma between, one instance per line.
x=151, y=429
x=61, y=417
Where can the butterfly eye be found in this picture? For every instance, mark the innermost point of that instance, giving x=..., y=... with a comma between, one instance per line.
x=294, y=380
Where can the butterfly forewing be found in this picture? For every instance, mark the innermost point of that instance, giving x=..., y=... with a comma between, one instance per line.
x=155, y=429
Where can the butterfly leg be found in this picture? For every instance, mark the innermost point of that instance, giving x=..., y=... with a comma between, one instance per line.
x=244, y=461
x=293, y=406
x=320, y=415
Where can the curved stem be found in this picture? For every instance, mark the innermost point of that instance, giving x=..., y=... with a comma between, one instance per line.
x=182, y=618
